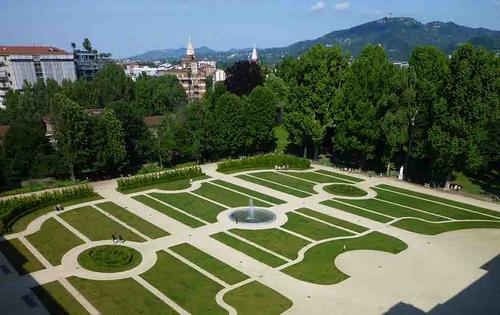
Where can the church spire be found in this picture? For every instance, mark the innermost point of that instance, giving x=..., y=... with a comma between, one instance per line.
x=190, y=49
x=254, y=58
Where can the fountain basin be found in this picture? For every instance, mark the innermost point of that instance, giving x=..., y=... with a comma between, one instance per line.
x=252, y=215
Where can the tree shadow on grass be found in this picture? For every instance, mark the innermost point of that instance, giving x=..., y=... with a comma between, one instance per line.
x=14, y=256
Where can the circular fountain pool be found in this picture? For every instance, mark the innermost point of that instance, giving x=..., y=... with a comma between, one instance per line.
x=252, y=215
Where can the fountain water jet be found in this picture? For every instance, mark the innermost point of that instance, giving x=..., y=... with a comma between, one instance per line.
x=252, y=215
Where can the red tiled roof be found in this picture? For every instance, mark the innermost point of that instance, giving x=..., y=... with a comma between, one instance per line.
x=3, y=130
x=32, y=50
x=152, y=121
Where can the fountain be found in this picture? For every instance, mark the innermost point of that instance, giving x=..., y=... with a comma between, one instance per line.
x=252, y=215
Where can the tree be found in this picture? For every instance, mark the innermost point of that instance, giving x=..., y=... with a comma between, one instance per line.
x=459, y=133
x=278, y=86
x=82, y=92
x=159, y=95
x=242, y=77
x=112, y=84
x=165, y=140
x=87, y=45
x=260, y=119
x=229, y=124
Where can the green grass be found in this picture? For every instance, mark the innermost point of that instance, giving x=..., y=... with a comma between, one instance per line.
x=124, y=296
x=316, y=177
x=317, y=266
x=21, y=259
x=42, y=186
x=186, y=286
x=192, y=204
x=174, y=214
x=312, y=229
x=250, y=192
x=281, y=136
x=327, y=218
x=109, y=258
x=214, y=266
x=484, y=184
x=57, y=300
x=429, y=206
x=173, y=185
x=53, y=240
x=442, y=200
x=96, y=226
x=20, y=224
x=423, y=227
x=287, y=181
x=274, y=186
x=249, y=250
x=278, y=241
x=227, y=197
x=356, y=211
x=341, y=176
x=345, y=190
x=391, y=209
x=256, y=298
x=133, y=220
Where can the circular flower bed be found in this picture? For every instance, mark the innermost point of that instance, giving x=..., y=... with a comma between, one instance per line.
x=345, y=190
x=109, y=258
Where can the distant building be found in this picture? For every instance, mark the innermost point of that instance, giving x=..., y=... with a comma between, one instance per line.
x=32, y=63
x=219, y=76
x=87, y=63
x=401, y=64
x=255, y=57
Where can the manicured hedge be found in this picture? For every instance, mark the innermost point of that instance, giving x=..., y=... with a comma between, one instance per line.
x=266, y=160
x=159, y=177
x=13, y=208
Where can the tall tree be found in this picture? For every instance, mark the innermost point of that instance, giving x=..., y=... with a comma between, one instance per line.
x=82, y=92
x=230, y=134
x=243, y=76
x=159, y=95
x=112, y=84
x=86, y=44
x=165, y=141
x=260, y=119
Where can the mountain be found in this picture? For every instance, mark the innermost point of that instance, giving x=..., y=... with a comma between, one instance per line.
x=399, y=35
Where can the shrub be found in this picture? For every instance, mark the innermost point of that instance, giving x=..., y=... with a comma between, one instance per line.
x=13, y=208
x=159, y=177
x=266, y=160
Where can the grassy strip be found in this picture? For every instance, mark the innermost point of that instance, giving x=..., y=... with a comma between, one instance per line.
x=312, y=229
x=442, y=200
x=429, y=206
x=22, y=223
x=423, y=227
x=173, y=185
x=317, y=265
x=391, y=209
x=342, y=176
x=249, y=192
x=278, y=241
x=356, y=211
x=196, y=206
x=96, y=226
x=345, y=190
x=256, y=298
x=203, y=260
x=42, y=186
x=274, y=186
x=286, y=180
x=109, y=258
x=316, y=177
x=249, y=250
x=57, y=300
x=227, y=197
x=174, y=214
x=133, y=220
x=263, y=161
x=189, y=288
x=332, y=220
x=20, y=257
x=53, y=240
x=124, y=296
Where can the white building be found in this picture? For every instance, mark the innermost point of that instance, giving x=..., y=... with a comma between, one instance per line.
x=32, y=63
x=219, y=76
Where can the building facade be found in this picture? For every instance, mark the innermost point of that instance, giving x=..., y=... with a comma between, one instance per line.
x=87, y=63
x=32, y=63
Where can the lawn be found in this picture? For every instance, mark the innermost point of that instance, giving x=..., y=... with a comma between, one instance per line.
x=53, y=240
x=423, y=227
x=311, y=228
x=192, y=204
x=21, y=259
x=316, y=177
x=256, y=298
x=341, y=176
x=124, y=296
x=317, y=265
x=287, y=181
x=356, y=211
x=281, y=136
x=174, y=214
x=392, y=209
x=96, y=226
x=173, y=185
x=345, y=190
x=247, y=249
x=133, y=220
x=249, y=192
x=278, y=241
x=205, y=261
x=227, y=197
x=328, y=218
x=57, y=300
x=109, y=258
x=189, y=288
x=277, y=187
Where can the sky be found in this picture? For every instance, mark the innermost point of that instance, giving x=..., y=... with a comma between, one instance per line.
x=129, y=27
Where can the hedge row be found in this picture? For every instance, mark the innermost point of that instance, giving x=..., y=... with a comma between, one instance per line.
x=266, y=160
x=13, y=208
x=160, y=177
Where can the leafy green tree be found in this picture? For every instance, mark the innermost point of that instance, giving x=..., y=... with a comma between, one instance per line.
x=112, y=84
x=243, y=76
x=82, y=92
x=280, y=89
x=260, y=119
x=200, y=130
x=165, y=141
x=229, y=124
x=4, y=169
x=159, y=95
x=87, y=45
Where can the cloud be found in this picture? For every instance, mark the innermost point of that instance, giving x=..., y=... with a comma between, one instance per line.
x=320, y=5
x=341, y=6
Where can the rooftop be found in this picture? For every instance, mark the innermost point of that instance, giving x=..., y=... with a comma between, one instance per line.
x=152, y=121
x=32, y=50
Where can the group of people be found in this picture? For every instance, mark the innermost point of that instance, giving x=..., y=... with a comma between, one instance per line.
x=118, y=239
x=58, y=207
x=281, y=168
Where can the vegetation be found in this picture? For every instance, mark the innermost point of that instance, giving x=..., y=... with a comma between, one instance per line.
x=57, y=300
x=20, y=257
x=345, y=190
x=287, y=181
x=41, y=185
x=422, y=227
x=250, y=192
x=226, y=197
x=311, y=228
x=327, y=218
x=340, y=176
x=109, y=258
x=263, y=161
x=274, y=186
x=357, y=211
x=243, y=76
x=316, y=177
x=160, y=177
